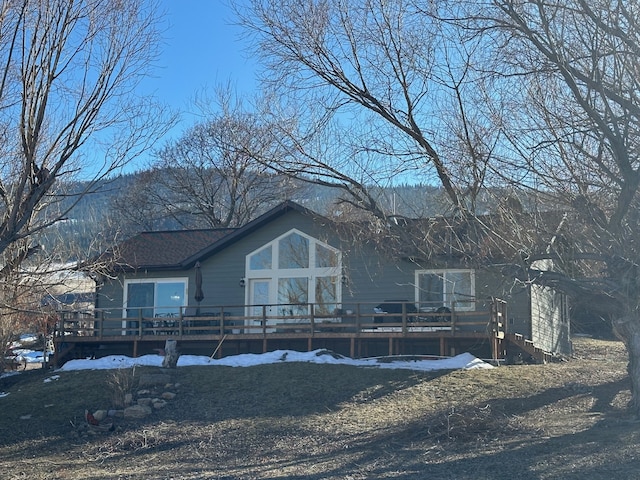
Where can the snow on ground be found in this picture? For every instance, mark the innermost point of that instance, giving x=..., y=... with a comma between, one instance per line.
x=464, y=361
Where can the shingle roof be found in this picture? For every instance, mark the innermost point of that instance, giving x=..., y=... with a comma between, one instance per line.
x=167, y=249
x=180, y=249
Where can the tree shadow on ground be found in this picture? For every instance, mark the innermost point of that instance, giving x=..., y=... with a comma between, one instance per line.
x=480, y=447
x=490, y=447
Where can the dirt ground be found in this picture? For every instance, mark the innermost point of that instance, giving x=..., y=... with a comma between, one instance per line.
x=304, y=421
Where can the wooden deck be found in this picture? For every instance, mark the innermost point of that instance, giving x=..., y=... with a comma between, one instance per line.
x=348, y=333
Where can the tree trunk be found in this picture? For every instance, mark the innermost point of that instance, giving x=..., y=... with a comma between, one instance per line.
x=170, y=354
x=628, y=329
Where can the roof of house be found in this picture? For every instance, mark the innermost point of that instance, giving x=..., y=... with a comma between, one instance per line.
x=181, y=249
x=166, y=249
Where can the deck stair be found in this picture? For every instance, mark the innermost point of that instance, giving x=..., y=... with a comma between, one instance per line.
x=523, y=350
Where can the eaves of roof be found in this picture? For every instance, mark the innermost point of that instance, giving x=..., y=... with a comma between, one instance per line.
x=181, y=249
x=247, y=229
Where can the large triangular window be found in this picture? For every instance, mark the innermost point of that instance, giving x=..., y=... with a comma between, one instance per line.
x=293, y=274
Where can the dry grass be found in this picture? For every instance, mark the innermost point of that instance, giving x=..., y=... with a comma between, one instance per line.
x=334, y=422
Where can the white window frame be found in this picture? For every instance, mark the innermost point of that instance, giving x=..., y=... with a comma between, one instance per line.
x=274, y=274
x=446, y=300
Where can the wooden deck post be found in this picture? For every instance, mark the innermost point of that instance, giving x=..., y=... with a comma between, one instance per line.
x=312, y=321
x=454, y=319
x=264, y=323
x=404, y=318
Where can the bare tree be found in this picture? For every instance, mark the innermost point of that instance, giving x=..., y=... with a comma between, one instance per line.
x=572, y=68
x=67, y=108
x=538, y=96
x=377, y=75
x=210, y=177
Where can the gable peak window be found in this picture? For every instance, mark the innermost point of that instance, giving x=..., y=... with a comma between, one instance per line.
x=294, y=271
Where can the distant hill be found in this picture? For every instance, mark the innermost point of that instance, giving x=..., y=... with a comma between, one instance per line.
x=93, y=221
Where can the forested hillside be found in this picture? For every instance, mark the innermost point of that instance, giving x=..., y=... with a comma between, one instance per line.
x=104, y=214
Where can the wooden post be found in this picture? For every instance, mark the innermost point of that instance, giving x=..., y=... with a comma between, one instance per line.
x=312, y=321
x=404, y=318
x=454, y=319
x=171, y=354
x=264, y=325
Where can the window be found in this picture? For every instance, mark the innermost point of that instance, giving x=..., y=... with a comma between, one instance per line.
x=293, y=251
x=293, y=295
x=261, y=260
x=326, y=257
x=450, y=288
x=293, y=271
x=154, y=298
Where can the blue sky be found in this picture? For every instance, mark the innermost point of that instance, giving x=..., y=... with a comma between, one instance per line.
x=201, y=49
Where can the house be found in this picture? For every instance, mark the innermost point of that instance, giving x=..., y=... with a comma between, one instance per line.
x=291, y=268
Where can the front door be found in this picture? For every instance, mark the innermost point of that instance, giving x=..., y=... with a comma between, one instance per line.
x=259, y=299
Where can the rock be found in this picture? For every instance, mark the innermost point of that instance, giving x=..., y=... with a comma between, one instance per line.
x=137, y=411
x=128, y=399
x=145, y=401
x=100, y=415
x=168, y=396
x=159, y=403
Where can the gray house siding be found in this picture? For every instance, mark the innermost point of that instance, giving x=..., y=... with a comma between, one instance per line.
x=370, y=278
x=367, y=279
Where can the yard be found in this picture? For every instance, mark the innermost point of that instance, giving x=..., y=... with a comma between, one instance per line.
x=294, y=420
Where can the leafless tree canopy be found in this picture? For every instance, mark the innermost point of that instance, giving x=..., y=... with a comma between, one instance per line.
x=67, y=111
x=379, y=73
x=66, y=103
x=539, y=97
x=210, y=177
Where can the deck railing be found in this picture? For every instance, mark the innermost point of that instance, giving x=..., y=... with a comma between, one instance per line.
x=401, y=317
